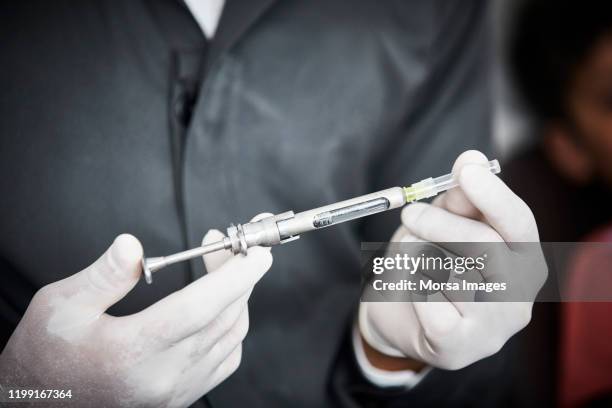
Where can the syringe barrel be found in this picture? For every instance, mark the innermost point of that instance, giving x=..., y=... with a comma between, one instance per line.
x=342, y=211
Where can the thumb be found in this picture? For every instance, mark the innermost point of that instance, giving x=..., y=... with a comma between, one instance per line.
x=500, y=206
x=455, y=200
x=111, y=277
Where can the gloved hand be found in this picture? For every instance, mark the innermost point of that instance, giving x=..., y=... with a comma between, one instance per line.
x=169, y=354
x=453, y=334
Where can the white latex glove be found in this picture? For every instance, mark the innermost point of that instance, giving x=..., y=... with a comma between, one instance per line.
x=452, y=334
x=169, y=354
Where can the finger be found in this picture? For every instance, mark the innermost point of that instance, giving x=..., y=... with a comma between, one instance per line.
x=261, y=216
x=462, y=297
x=449, y=231
x=455, y=200
x=399, y=234
x=453, y=296
x=436, y=224
x=220, y=362
x=110, y=278
x=502, y=209
x=226, y=344
x=197, y=304
x=438, y=319
x=202, y=378
x=200, y=342
x=214, y=260
x=227, y=368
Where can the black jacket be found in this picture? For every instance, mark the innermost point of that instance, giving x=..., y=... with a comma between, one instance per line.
x=296, y=104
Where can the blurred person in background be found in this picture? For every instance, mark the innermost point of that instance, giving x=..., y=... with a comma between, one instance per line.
x=561, y=56
x=562, y=60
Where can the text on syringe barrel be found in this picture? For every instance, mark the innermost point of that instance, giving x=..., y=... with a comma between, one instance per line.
x=350, y=212
x=304, y=221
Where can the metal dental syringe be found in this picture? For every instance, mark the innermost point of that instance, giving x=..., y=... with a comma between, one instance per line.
x=286, y=227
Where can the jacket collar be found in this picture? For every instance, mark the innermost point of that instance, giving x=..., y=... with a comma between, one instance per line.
x=237, y=17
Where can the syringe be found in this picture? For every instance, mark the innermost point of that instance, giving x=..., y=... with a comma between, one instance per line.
x=286, y=227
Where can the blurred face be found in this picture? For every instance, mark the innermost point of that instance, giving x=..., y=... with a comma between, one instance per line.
x=590, y=104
